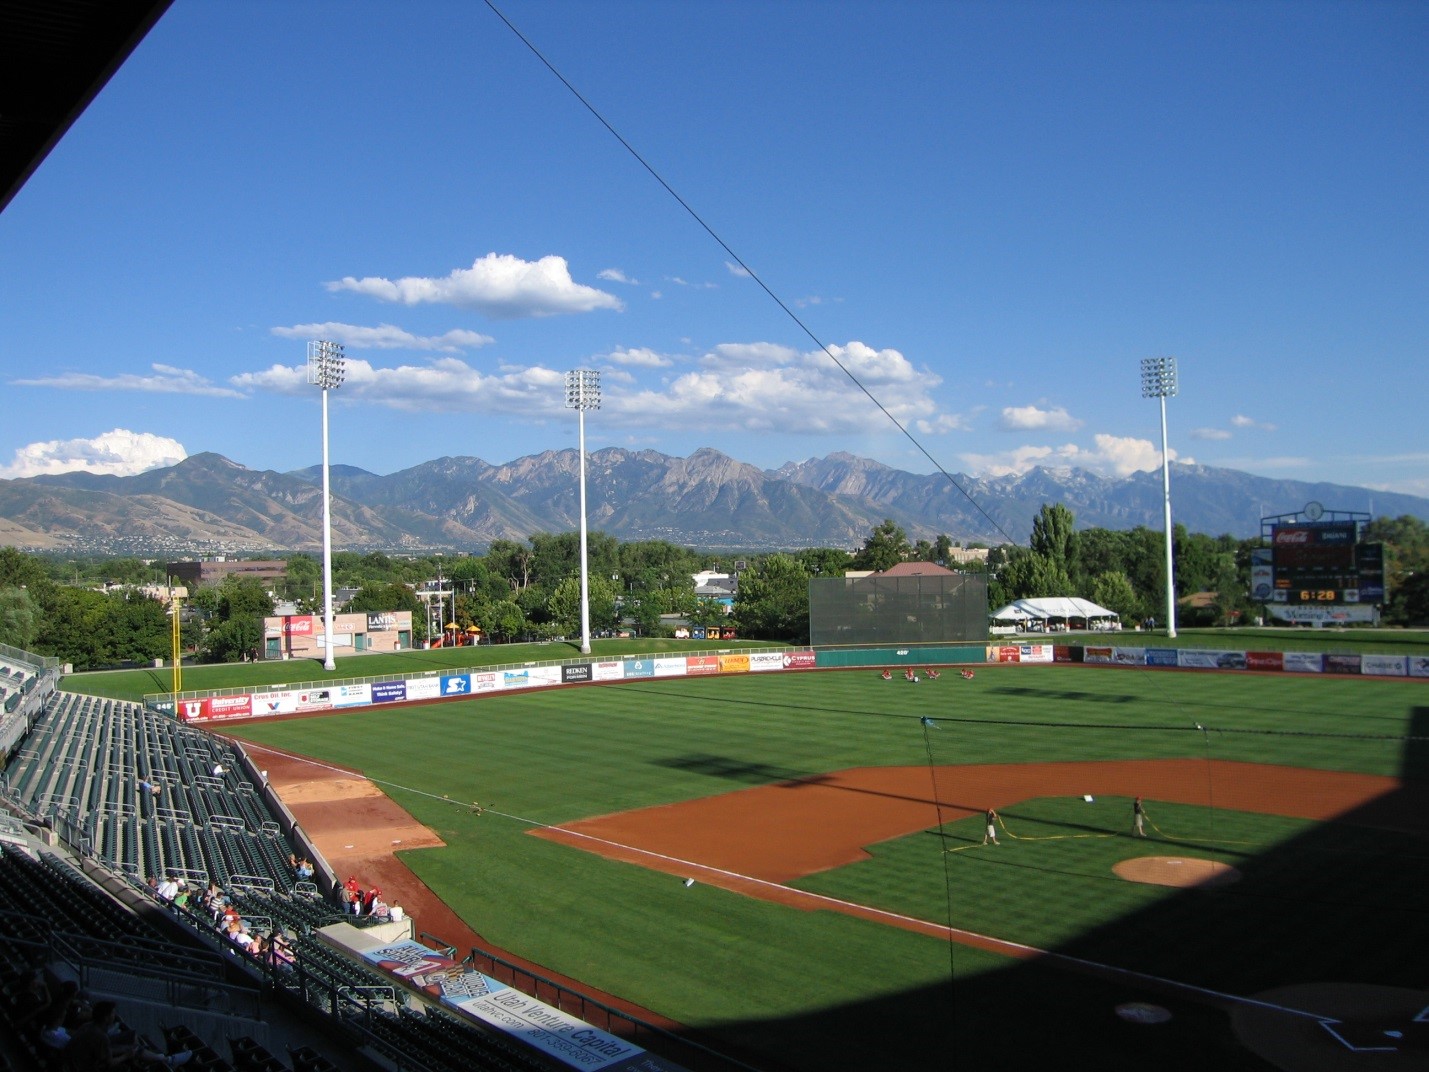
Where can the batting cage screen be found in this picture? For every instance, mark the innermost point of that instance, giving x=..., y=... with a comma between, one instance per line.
x=932, y=609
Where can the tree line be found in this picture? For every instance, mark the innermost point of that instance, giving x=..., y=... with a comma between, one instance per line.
x=89, y=612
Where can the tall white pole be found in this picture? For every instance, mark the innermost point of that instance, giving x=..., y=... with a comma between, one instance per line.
x=329, y=662
x=583, y=393
x=585, y=562
x=326, y=369
x=1166, y=492
x=1158, y=380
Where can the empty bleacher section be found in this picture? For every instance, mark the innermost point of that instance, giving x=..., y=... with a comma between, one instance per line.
x=26, y=682
x=147, y=795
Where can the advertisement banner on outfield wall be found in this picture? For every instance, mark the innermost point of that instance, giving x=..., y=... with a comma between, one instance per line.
x=639, y=668
x=1342, y=664
x=1384, y=665
x=702, y=664
x=1129, y=656
x=1265, y=660
x=517, y=679
x=220, y=708
x=1096, y=654
x=266, y=704
x=389, y=692
x=456, y=684
x=352, y=696
x=1005, y=653
x=761, y=661
x=485, y=681
x=1419, y=666
x=1304, y=662
x=575, y=673
x=800, y=660
x=1034, y=653
x=1162, y=657
x=607, y=670
x=670, y=666
x=315, y=700
x=1196, y=659
x=734, y=664
x=423, y=688
x=1067, y=653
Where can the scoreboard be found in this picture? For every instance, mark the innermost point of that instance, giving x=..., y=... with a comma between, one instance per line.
x=1319, y=562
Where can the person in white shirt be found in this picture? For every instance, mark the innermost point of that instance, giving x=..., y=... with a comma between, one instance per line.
x=168, y=889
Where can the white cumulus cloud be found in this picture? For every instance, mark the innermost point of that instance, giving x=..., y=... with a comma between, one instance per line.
x=162, y=379
x=615, y=275
x=1240, y=420
x=1110, y=455
x=386, y=337
x=1210, y=433
x=116, y=453
x=1033, y=418
x=445, y=385
x=639, y=357
x=502, y=286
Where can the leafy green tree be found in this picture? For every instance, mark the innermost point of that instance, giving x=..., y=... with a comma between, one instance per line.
x=377, y=597
x=302, y=578
x=1113, y=591
x=19, y=618
x=19, y=570
x=503, y=620
x=886, y=546
x=564, y=606
x=1031, y=575
x=773, y=601
x=232, y=640
x=1054, y=537
x=824, y=561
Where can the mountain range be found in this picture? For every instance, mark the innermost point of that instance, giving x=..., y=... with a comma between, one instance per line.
x=208, y=504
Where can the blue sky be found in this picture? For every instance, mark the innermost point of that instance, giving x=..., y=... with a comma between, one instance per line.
x=990, y=212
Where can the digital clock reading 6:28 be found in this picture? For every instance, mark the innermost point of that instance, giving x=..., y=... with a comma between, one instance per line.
x=1319, y=595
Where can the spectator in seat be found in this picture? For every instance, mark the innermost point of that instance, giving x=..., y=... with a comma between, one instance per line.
x=396, y=913
x=280, y=950
x=104, y=1044
x=169, y=888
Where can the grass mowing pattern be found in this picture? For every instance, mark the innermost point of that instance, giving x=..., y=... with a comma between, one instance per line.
x=776, y=978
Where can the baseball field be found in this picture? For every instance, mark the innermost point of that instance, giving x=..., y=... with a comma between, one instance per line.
x=792, y=868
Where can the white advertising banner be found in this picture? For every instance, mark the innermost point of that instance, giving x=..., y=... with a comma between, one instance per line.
x=281, y=702
x=1384, y=665
x=352, y=695
x=765, y=660
x=485, y=681
x=1129, y=656
x=1419, y=666
x=609, y=670
x=1304, y=662
x=670, y=666
x=1035, y=653
x=424, y=688
x=1325, y=615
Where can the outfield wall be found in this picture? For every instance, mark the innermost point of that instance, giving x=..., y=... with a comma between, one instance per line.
x=424, y=688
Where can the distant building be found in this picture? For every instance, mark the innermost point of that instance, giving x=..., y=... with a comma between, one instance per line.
x=300, y=636
x=213, y=571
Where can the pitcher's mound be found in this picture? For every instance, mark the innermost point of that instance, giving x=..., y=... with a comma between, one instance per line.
x=1181, y=872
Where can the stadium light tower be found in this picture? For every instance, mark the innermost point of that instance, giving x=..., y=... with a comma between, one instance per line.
x=583, y=393
x=326, y=368
x=1158, y=380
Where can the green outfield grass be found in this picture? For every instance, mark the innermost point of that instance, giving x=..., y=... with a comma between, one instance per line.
x=784, y=984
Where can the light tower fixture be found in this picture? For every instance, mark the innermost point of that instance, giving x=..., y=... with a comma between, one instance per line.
x=1158, y=380
x=583, y=393
x=327, y=367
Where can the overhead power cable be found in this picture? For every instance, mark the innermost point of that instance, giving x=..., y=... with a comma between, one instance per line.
x=744, y=267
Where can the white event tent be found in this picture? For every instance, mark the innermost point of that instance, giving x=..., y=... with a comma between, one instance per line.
x=1023, y=613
